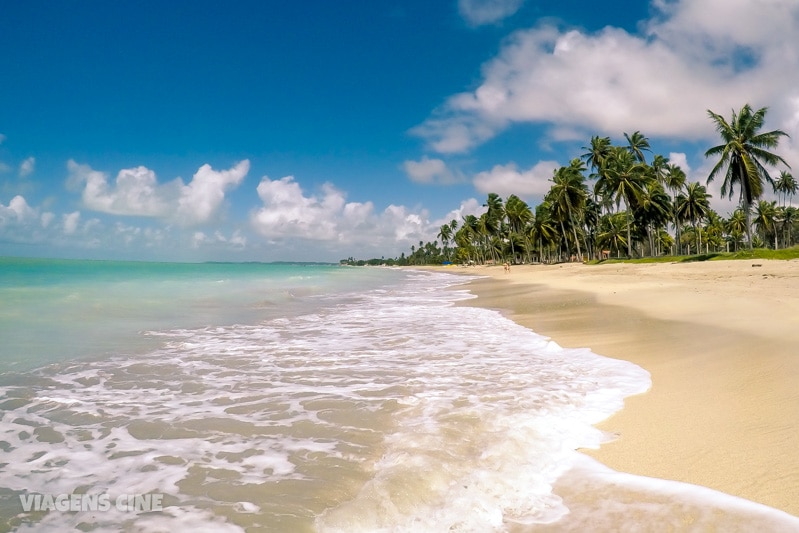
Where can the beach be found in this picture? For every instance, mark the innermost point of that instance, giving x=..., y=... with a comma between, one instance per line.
x=291, y=397
x=721, y=342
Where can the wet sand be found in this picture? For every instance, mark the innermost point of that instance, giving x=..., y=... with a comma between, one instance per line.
x=721, y=341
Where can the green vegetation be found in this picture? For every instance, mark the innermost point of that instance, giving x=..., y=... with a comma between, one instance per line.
x=637, y=210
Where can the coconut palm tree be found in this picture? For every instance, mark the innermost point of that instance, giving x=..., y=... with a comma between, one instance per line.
x=637, y=144
x=445, y=234
x=743, y=156
x=714, y=230
x=675, y=182
x=519, y=214
x=785, y=185
x=652, y=210
x=622, y=179
x=765, y=220
x=611, y=232
x=568, y=196
x=692, y=206
x=790, y=216
x=487, y=227
x=543, y=229
x=471, y=236
x=660, y=168
x=736, y=226
x=597, y=152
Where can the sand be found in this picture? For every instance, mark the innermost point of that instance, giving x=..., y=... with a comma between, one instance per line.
x=721, y=341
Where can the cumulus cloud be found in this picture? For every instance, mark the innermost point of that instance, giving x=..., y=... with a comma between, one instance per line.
x=479, y=12
x=47, y=218
x=27, y=167
x=287, y=212
x=236, y=240
x=329, y=220
x=136, y=192
x=509, y=179
x=471, y=206
x=430, y=171
x=17, y=211
x=21, y=222
x=199, y=200
x=70, y=222
x=680, y=159
x=692, y=56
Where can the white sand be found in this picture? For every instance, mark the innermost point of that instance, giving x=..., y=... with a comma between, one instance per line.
x=721, y=340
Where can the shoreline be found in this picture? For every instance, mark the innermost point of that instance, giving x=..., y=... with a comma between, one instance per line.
x=721, y=342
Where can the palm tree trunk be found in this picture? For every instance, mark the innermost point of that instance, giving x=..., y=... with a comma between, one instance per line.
x=576, y=240
x=629, y=233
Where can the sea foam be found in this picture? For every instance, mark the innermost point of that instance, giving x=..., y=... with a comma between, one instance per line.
x=386, y=409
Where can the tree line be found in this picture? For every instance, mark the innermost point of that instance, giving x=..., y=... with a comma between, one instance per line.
x=612, y=201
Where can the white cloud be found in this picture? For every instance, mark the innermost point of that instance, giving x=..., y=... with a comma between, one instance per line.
x=27, y=167
x=471, y=206
x=19, y=222
x=47, y=218
x=430, y=171
x=508, y=179
x=681, y=160
x=70, y=222
x=287, y=212
x=136, y=192
x=479, y=12
x=235, y=241
x=333, y=224
x=17, y=211
x=693, y=56
x=201, y=198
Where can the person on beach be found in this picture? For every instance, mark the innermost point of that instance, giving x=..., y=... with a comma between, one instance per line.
x=507, y=267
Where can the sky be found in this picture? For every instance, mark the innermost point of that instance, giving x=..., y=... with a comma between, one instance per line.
x=315, y=131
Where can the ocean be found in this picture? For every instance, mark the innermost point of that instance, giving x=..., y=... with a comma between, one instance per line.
x=308, y=397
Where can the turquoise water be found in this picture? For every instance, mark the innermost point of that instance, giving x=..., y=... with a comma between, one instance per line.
x=54, y=310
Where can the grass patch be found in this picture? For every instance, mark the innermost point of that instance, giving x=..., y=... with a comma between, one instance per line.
x=758, y=253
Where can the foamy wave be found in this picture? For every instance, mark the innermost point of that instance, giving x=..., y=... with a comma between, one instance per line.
x=390, y=410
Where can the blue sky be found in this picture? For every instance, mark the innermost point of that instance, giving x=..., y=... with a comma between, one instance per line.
x=320, y=130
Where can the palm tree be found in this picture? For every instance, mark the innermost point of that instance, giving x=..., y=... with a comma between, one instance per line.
x=693, y=206
x=445, y=234
x=597, y=152
x=766, y=220
x=714, y=230
x=611, y=232
x=487, y=226
x=652, y=210
x=637, y=144
x=518, y=213
x=785, y=185
x=736, y=226
x=743, y=156
x=675, y=182
x=660, y=168
x=568, y=196
x=622, y=179
x=790, y=215
x=471, y=235
x=542, y=229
